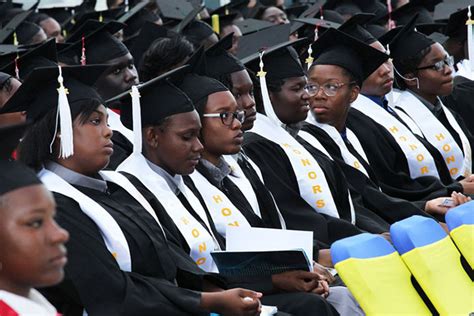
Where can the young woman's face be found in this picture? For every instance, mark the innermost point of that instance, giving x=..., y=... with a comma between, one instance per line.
x=219, y=138
x=291, y=103
x=176, y=146
x=432, y=81
x=32, y=252
x=92, y=143
x=242, y=89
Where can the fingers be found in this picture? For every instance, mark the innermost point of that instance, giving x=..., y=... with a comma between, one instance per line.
x=251, y=294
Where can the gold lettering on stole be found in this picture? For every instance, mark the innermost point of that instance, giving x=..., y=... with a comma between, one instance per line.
x=235, y=224
x=439, y=137
x=453, y=171
x=226, y=211
x=201, y=261
x=450, y=159
x=403, y=138
x=393, y=129
x=413, y=146
x=185, y=220
x=312, y=175
x=420, y=157
x=424, y=170
x=202, y=247
x=317, y=189
x=320, y=203
x=195, y=233
x=217, y=198
x=446, y=147
x=305, y=162
x=356, y=165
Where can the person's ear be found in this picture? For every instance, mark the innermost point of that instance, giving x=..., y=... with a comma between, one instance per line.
x=151, y=136
x=354, y=93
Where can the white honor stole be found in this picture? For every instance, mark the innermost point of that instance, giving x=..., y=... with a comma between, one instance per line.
x=240, y=180
x=198, y=238
x=312, y=182
x=347, y=156
x=111, y=232
x=223, y=212
x=458, y=160
x=33, y=305
x=116, y=125
x=420, y=161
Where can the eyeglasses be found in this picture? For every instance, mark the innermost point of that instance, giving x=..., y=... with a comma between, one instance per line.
x=227, y=118
x=330, y=89
x=439, y=66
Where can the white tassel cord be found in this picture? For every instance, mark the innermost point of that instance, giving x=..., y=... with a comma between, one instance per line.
x=267, y=104
x=65, y=120
x=470, y=39
x=137, y=121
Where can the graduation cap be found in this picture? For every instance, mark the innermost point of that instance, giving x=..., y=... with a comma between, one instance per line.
x=62, y=15
x=159, y=99
x=176, y=9
x=354, y=27
x=136, y=18
x=443, y=10
x=9, y=30
x=198, y=88
x=56, y=89
x=251, y=43
x=188, y=21
x=376, y=30
x=101, y=16
x=219, y=21
x=324, y=24
x=438, y=37
x=456, y=26
x=148, y=34
x=4, y=77
x=41, y=56
x=231, y=7
x=429, y=28
x=100, y=46
x=337, y=48
x=407, y=43
x=343, y=7
x=13, y=175
x=197, y=31
x=296, y=10
x=248, y=26
x=219, y=62
x=422, y=8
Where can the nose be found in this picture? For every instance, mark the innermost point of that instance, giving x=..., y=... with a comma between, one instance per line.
x=197, y=146
x=236, y=124
x=248, y=102
x=131, y=75
x=108, y=132
x=57, y=234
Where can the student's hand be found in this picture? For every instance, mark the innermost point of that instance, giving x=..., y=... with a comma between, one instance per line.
x=436, y=206
x=468, y=185
x=235, y=302
x=323, y=271
x=324, y=258
x=322, y=289
x=296, y=281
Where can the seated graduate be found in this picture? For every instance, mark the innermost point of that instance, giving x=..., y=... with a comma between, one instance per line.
x=424, y=73
x=171, y=148
x=342, y=63
x=392, y=149
x=121, y=259
x=32, y=252
x=102, y=47
x=310, y=190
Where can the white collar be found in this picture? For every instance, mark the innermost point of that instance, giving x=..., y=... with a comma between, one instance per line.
x=33, y=305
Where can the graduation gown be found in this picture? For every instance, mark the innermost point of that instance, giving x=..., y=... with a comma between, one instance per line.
x=461, y=100
x=280, y=179
x=390, y=164
x=367, y=188
x=93, y=279
x=292, y=303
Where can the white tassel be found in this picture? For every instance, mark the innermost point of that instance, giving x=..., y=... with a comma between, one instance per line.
x=267, y=104
x=310, y=59
x=137, y=121
x=65, y=120
x=470, y=39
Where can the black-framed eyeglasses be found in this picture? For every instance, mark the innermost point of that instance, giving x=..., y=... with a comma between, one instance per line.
x=330, y=88
x=439, y=66
x=228, y=117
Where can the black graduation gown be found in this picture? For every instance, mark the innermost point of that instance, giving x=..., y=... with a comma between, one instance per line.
x=461, y=100
x=390, y=164
x=122, y=149
x=280, y=179
x=389, y=208
x=298, y=304
x=93, y=278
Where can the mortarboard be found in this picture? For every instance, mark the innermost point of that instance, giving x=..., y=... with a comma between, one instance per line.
x=219, y=62
x=296, y=10
x=456, y=26
x=13, y=174
x=422, y=8
x=11, y=27
x=38, y=94
x=438, y=37
x=40, y=56
x=159, y=99
x=197, y=31
x=101, y=16
x=100, y=46
x=337, y=48
x=198, y=88
x=407, y=43
x=136, y=18
x=248, y=26
x=280, y=61
x=176, y=9
x=251, y=43
x=444, y=9
x=354, y=27
x=189, y=19
x=231, y=7
x=376, y=30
